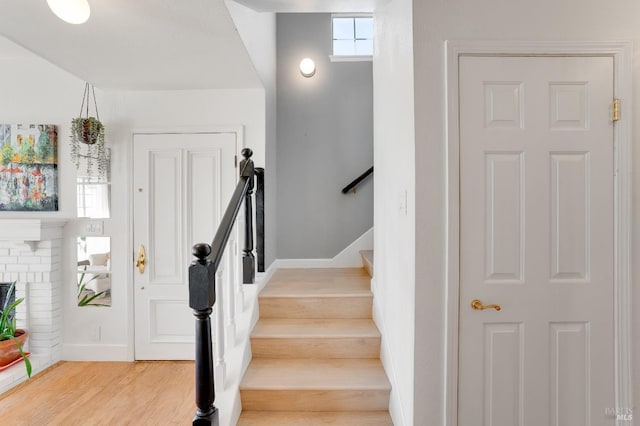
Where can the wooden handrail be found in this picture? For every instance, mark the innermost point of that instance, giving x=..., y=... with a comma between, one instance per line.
x=356, y=181
x=202, y=285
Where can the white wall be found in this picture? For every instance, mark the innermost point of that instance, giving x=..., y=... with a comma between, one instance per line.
x=33, y=91
x=435, y=22
x=137, y=110
x=258, y=33
x=394, y=211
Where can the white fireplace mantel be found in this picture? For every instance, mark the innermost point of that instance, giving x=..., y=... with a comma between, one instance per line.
x=31, y=255
x=30, y=231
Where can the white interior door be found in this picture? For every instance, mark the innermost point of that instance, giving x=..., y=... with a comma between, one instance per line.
x=182, y=183
x=536, y=238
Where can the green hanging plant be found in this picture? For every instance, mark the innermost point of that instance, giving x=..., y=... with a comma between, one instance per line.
x=87, y=139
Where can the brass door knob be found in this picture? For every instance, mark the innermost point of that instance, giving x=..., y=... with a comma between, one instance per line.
x=142, y=259
x=478, y=306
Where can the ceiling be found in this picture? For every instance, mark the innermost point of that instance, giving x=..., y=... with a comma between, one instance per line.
x=136, y=44
x=324, y=6
x=150, y=44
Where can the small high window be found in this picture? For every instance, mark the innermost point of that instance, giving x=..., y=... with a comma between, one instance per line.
x=352, y=36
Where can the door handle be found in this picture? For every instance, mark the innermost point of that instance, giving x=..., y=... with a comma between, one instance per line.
x=478, y=306
x=142, y=259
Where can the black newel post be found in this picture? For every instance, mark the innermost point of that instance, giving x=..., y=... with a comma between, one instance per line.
x=260, y=217
x=248, y=260
x=202, y=297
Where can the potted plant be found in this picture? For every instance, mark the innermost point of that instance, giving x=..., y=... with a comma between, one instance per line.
x=12, y=339
x=87, y=138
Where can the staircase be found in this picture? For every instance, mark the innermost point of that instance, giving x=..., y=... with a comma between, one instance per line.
x=316, y=353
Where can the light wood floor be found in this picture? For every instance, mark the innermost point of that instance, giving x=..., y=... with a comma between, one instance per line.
x=104, y=393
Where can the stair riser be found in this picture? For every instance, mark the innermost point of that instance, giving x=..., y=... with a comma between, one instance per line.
x=315, y=347
x=308, y=418
x=314, y=400
x=316, y=307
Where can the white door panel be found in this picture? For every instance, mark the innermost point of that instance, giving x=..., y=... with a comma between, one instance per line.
x=164, y=216
x=536, y=238
x=181, y=184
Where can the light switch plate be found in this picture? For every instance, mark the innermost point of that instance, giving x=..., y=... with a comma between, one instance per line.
x=94, y=227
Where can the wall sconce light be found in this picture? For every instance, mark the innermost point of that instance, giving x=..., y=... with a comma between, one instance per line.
x=307, y=67
x=71, y=11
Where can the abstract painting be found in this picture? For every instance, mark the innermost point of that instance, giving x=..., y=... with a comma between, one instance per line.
x=28, y=167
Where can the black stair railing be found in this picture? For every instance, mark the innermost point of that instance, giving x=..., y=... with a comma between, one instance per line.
x=353, y=185
x=260, y=217
x=202, y=280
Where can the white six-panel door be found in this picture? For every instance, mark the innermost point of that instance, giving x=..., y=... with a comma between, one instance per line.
x=536, y=238
x=182, y=183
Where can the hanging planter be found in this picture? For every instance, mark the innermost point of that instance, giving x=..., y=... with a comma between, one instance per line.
x=87, y=139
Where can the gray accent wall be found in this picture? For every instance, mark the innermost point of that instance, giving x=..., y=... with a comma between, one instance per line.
x=325, y=140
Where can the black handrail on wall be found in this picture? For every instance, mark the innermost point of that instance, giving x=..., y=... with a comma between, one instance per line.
x=202, y=279
x=356, y=181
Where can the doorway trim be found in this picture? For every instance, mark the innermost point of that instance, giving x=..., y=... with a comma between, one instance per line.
x=130, y=271
x=621, y=52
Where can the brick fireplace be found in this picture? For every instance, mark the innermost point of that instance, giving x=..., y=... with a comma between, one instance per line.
x=30, y=254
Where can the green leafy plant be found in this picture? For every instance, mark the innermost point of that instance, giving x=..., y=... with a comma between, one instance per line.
x=8, y=325
x=85, y=299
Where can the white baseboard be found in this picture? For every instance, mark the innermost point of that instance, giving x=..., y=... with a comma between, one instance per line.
x=347, y=258
x=304, y=263
x=95, y=352
x=15, y=375
x=395, y=407
x=263, y=277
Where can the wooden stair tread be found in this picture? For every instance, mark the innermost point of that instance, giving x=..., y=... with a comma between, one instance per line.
x=316, y=273
x=314, y=328
x=309, y=288
x=298, y=418
x=317, y=306
x=291, y=374
x=336, y=282
x=315, y=338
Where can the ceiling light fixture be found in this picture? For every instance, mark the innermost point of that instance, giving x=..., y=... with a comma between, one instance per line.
x=307, y=67
x=71, y=11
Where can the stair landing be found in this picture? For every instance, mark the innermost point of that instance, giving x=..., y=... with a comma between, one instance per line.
x=316, y=353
